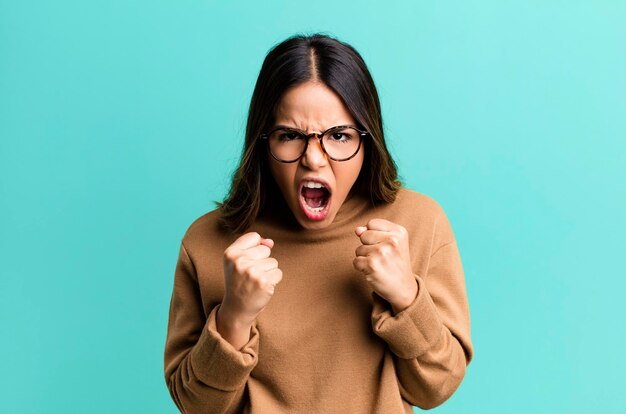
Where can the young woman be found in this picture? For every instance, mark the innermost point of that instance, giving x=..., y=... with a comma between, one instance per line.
x=320, y=284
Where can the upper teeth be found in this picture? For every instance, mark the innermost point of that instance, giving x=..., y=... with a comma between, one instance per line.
x=312, y=184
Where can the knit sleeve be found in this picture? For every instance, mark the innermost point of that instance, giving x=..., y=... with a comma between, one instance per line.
x=430, y=339
x=203, y=372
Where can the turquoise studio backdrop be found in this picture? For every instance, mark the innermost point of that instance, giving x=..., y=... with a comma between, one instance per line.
x=122, y=121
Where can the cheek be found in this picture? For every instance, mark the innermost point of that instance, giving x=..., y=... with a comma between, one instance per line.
x=284, y=174
x=346, y=175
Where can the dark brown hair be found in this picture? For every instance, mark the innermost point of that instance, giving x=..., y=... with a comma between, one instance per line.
x=340, y=67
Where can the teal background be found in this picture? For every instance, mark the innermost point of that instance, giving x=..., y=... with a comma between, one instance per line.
x=121, y=122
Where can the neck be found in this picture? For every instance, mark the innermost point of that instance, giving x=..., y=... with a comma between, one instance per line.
x=280, y=218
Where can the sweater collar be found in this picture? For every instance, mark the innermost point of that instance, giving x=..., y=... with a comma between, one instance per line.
x=280, y=222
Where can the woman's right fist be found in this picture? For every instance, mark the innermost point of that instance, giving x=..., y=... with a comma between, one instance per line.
x=250, y=275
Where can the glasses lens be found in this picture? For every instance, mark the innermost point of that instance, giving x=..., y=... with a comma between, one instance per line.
x=286, y=145
x=341, y=143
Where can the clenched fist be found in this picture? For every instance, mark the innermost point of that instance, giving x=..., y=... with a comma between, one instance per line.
x=384, y=259
x=250, y=275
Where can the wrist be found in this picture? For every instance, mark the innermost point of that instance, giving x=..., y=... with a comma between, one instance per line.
x=235, y=331
x=232, y=320
x=406, y=301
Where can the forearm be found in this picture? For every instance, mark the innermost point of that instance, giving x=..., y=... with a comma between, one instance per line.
x=193, y=395
x=430, y=379
x=211, y=375
x=430, y=360
x=234, y=330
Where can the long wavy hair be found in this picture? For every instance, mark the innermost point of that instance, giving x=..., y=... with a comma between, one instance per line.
x=301, y=58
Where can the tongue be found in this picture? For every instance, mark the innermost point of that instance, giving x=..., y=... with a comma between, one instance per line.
x=314, y=197
x=313, y=192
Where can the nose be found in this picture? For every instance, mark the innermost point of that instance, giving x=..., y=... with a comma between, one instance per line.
x=314, y=157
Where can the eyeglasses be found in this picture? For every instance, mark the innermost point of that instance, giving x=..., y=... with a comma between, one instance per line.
x=340, y=143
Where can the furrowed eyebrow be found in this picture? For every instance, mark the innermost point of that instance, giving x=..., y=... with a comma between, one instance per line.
x=287, y=127
x=280, y=126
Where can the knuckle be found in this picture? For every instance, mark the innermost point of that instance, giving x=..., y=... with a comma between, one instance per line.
x=385, y=249
x=253, y=272
x=239, y=265
x=402, y=231
x=229, y=255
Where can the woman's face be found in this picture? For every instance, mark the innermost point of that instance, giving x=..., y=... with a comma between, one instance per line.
x=313, y=107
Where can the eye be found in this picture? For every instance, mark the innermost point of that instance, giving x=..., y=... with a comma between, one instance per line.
x=341, y=136
x=288, y=136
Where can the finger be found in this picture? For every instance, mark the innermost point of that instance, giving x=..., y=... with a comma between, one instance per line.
x=374, y=236
x=359, y=230
x=255, y=253
x=365, y=250
x=381, y=225
x=274, y=276
x=361, y=264
x=266, y=264
x=267, y=242
x=246, y=241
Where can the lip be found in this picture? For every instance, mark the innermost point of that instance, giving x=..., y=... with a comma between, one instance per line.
x=319, y=215
x=315, y=180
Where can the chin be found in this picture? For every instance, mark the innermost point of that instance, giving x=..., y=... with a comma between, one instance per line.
x=312, y=224
x=316, y=225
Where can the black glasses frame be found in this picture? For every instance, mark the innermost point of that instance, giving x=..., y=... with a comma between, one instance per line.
x=319, y=136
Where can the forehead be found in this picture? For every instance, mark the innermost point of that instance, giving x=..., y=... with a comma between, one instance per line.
x=312, y=106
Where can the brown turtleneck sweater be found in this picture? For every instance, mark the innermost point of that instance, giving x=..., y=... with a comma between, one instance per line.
x=325, y=343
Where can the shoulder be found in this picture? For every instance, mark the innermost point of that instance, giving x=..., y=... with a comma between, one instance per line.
x=421, y=214
x=416, y=204
x=205, y=231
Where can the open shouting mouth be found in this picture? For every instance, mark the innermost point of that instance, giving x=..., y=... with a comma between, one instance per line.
x=314, y=198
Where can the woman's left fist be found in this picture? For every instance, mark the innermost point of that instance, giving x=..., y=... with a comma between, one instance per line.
x=384, y=259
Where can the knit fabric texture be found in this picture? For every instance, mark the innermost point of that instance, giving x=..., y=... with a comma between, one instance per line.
x=326, y=342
